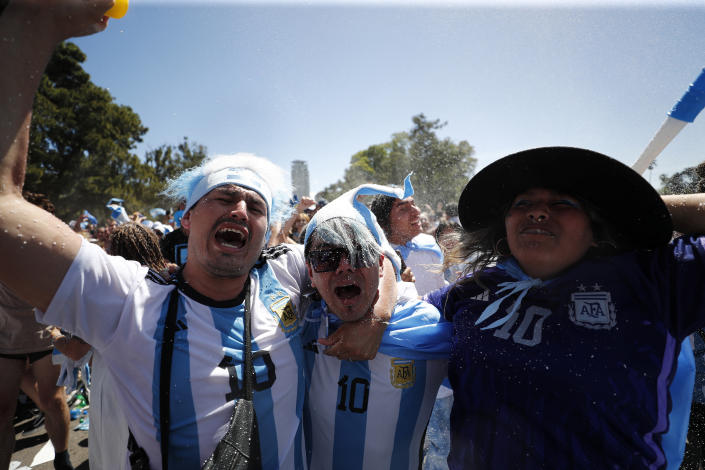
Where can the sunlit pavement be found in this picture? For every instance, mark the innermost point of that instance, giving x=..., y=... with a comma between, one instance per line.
x=35, y=447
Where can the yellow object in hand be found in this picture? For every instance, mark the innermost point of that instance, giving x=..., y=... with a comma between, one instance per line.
x=119, y=9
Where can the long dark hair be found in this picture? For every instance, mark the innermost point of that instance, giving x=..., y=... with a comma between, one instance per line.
x=481, y=248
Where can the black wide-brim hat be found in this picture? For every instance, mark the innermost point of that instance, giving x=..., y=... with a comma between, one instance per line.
x=619, y=194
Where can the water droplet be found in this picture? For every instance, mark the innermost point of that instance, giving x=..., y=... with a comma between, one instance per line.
x=19, y=226
x=53, y=243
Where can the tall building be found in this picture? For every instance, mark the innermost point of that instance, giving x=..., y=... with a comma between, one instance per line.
x=299, y=178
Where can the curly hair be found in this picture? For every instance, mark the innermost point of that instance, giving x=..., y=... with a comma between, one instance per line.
x=381, y=207
x=136, y=242
x=40, y=200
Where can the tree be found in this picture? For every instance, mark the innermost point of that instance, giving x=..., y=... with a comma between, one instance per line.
x=166, y=162
x=441, y=167
x=687, y=181
x=80, y=140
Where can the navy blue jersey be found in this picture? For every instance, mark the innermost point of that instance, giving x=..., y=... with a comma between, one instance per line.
x=579, y=376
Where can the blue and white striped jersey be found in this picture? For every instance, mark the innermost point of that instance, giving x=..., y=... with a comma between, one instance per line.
x=372, y=414
x=119, y=307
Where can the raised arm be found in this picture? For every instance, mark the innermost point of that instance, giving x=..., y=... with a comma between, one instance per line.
x=35, y=247
x=286, y=228
x=687, y=212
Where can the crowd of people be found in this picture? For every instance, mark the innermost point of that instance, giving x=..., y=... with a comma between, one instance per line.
x=560, y=306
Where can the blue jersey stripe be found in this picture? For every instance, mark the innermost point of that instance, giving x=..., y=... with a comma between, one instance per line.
x=264, y=408
x=662, y=401
x=184, y=450
x=158, y=339
x=681, y=392
x=297, y=351
x=411, y=399
x=183, y=435
x=351, y=416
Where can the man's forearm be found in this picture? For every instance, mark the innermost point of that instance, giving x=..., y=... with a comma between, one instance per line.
x=687, y=212
x=387, y=293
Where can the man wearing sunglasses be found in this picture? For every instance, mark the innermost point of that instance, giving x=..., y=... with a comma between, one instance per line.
x=365, y=414
x=177, y=405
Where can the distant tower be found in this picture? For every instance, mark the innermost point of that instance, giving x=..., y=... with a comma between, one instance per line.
x=299, y=178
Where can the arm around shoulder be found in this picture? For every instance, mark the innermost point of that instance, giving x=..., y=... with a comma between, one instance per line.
x=687, y=212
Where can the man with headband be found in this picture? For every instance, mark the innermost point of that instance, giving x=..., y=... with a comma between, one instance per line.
x=174, y=348
x=365, y=414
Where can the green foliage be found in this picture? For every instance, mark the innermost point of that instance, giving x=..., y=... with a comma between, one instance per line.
x=441, y=167
x=688, y=181
x=81, y=142
x=166, y=162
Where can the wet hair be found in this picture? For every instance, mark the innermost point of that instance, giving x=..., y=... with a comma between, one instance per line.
x=40, y=200
x=134, y=241
x=447, y=231
x=481, y=248
x=381, y=207
x=344, y=232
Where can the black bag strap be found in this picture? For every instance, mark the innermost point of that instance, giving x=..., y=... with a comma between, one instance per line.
x=249, y=373
x=138, y=457
x=239, y=448
x=165, y=375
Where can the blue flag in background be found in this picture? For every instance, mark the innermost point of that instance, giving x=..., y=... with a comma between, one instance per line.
x=90, y=217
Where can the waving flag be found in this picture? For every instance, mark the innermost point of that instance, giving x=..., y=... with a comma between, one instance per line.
x=685, y=111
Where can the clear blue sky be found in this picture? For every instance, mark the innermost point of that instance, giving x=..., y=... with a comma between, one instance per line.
x=319, y=82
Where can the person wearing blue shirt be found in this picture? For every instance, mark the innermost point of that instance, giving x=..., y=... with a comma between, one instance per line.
x=564, y=354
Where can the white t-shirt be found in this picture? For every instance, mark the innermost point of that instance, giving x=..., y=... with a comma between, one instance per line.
x=119, y=307
x=108, y=430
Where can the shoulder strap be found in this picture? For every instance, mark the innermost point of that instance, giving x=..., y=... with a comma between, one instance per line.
x=249, y=372
x=165, y=375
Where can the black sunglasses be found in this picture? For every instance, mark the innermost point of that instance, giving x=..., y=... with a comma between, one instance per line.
x=328, y=260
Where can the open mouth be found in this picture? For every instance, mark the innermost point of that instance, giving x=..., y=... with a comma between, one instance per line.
x=533, y=230
x=348, y=291
x=231, y=237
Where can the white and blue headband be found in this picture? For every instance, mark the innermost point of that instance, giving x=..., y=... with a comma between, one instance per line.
x=238, y=176
x=348, y=205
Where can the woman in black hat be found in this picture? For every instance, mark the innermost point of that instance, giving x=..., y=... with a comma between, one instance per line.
x=564, y=353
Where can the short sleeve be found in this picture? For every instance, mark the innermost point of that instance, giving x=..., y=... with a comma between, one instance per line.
x=92, y=295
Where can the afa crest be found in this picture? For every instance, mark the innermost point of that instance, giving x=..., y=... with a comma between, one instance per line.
x=284, y=309
x=403, y=373
x=593, y=310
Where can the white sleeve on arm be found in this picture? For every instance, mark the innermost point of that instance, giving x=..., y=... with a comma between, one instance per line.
x=92, y=295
